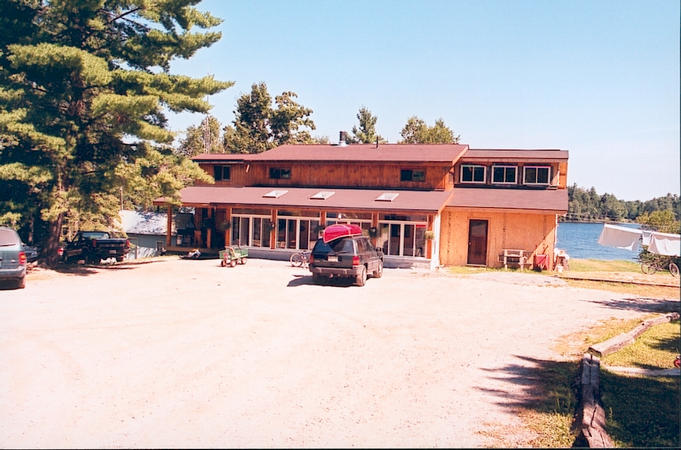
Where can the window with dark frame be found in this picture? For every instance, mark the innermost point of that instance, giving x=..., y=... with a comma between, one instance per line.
x=222, y=173
x=278, y=173
x=418, y=175
x=537, y=174
x=471, y=173
x=504, y=174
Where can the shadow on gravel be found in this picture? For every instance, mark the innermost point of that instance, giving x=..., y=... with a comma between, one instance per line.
x=642, y=304
x=89, y=269
x=301, y=280
x=546, y=399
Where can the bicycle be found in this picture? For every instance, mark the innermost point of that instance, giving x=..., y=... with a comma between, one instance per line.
x=652, y=265
x=300, y=259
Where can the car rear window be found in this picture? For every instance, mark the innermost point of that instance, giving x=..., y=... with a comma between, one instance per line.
x=8, y=237
x=342, y=246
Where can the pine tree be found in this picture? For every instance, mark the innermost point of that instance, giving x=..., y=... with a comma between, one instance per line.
x=83, y=90
x=366, y=132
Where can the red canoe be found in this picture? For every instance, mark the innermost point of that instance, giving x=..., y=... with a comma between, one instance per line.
x=340, y=230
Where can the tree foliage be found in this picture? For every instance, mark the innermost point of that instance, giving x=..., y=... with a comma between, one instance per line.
x=203, y=138
x=365, y=133
x=587, y=205
x=258, y=126
x=660, y=220
x=416, y=131
x=83, y=90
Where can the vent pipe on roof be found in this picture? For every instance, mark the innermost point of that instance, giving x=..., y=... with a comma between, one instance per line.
x=342, y=139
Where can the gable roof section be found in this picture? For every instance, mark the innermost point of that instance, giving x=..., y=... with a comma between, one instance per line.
x=416, y=153
x=364, y=199
x=555, y=200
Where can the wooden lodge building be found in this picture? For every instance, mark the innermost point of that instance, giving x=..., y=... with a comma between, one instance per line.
x=442, y=204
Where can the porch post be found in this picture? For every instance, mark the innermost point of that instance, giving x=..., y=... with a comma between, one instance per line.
x=374, y=223
x=429, y=242
x=228, y=231
x=169, y=225
x=209, y=230
x=273, y=231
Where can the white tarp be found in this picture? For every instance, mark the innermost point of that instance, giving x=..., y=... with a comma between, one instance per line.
x=665, y=244
x=632, y=238
x=620, y=237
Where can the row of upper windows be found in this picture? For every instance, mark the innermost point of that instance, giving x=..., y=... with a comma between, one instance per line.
x=532, y=175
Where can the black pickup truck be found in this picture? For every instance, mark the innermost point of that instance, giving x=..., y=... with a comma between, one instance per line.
x=93, y=246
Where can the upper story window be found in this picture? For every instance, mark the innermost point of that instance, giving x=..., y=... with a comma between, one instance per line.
x=471, y=173
x=418, y=175
x=222, y=173
x=280, y=173
x=504, y=174
x=537, y=174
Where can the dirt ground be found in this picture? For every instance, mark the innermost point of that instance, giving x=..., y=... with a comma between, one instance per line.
x=177, y=353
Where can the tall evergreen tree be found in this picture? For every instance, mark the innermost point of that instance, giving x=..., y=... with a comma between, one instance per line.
x=83, y=90
x=366, y=132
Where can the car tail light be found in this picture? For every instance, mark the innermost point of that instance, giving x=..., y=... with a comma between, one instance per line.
x=60, y=251
x=94, y=242
x=127, y=243
x=22, y=258
x=355, y=260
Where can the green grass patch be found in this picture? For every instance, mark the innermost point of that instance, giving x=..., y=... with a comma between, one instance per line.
x=597, y=265
x=551, y=414
x=641, y=412
x=654, y=349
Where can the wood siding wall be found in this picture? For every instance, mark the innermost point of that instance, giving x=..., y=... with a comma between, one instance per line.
x=533, y=232
x=351, y=175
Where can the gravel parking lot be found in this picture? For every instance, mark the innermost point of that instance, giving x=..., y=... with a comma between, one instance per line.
x=178, y=353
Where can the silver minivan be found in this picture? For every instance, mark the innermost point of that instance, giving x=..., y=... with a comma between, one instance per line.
x=12, y=258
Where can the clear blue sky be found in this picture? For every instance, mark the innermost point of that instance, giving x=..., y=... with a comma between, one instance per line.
x=597, y=78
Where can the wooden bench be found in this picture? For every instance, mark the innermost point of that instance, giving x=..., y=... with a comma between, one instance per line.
x=515, y=257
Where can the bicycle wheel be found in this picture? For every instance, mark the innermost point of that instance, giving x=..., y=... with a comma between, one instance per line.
x=674, y=270
x=296, y=260
x=648, y=268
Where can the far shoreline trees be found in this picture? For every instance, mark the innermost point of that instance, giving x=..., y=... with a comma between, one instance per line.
x=586, y=205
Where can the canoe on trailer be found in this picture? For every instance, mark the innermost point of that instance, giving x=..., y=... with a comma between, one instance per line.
x=340, y=230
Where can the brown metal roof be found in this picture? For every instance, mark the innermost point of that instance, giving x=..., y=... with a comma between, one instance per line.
x=231, y=157
x=544, y=154
x=522, y=199
x=423, y=153
x=425, y=201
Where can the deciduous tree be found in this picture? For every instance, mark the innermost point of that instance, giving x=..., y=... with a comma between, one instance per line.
x=257, y=126
x=202, y=138
x=416, y=131
x=84, y=87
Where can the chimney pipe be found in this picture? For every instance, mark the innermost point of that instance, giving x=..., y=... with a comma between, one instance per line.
x=341, y=139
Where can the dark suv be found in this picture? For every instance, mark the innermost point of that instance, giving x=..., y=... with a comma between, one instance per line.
x=349, y=257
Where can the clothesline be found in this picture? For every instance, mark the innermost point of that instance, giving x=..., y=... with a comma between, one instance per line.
x=666, y=244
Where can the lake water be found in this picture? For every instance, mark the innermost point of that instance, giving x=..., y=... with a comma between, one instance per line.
x=580, y=240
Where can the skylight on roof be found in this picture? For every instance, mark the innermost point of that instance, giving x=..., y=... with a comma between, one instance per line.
x=322, y=195
x=387, y=197
x=274, y=194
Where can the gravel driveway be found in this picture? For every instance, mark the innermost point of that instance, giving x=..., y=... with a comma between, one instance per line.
x=177, y=353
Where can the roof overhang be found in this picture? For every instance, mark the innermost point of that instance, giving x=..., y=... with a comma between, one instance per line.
x=540, y=201
x=430, y=202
